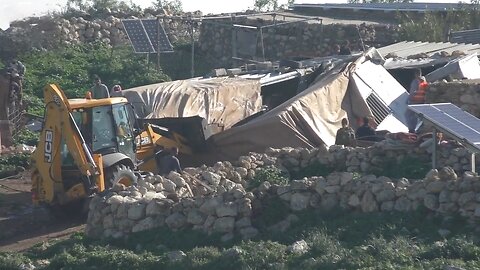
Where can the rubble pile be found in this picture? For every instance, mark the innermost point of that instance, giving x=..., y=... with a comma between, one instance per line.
x=465, y=95
x=221, y=199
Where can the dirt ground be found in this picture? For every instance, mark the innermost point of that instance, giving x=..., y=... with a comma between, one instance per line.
x=22, y=225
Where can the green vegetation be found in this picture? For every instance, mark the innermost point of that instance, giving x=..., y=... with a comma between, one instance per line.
x=270, y=174
x=408, y=167
x=435, y=26
x=73, y=67
x=10, y=164
x=27, y=137
x=337, y=240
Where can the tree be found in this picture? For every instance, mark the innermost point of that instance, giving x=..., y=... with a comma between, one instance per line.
x=266, y=5
x=435, y=26
x=172, y=5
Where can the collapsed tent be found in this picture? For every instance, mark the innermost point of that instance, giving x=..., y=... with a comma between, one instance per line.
x=309, y=119
x=220, y=101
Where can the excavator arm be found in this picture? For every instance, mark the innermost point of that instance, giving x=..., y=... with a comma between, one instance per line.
x=60, y=130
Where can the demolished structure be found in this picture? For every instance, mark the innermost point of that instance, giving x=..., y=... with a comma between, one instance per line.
x=306, y=99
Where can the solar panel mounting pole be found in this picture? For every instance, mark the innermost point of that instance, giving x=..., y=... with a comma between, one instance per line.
x=473, y=163
x=193, y=48
x=434, y=152
x=158, y=45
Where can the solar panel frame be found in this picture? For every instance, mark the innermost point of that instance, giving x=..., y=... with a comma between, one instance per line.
x=152, y=28
x=137, y=36
x=145, y=37
x=453, y=121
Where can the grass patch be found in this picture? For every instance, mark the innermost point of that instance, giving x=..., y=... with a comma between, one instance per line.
x=337, y=240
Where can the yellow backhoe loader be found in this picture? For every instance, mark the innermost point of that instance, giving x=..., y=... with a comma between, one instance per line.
x=87, y=145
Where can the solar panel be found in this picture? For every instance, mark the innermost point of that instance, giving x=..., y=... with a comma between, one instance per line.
x=451, y=118
x=152, y=27
x=144, y=35
x=137, y=36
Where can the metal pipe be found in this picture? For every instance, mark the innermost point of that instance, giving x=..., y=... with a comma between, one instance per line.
x=263, y=45
x=434, y=152
x=193, y=51
x=473, y=164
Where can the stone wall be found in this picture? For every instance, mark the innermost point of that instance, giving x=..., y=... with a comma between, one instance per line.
x=220, y=198
x=214, y=37
x=293, y=40
x=465, y=95
x=51, y=31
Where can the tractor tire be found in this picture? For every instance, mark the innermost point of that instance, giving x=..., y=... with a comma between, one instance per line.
x=121, y=174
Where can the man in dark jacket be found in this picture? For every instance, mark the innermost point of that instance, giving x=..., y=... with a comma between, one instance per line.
x=169, y=162
x=366, y=132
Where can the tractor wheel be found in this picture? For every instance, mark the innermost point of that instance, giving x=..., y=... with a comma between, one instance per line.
x=121, y=174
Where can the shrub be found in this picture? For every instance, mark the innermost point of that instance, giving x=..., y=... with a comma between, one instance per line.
x=270, y=174
x=27, y=137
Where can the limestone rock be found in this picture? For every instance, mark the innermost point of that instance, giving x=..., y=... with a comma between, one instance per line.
x=176, y=256
x=430, y=201
x=136, y=211
x=143, y=225
x=299, y=201
x=298, y=248
x=169, y=186
x=176, y=221
x=385, y=195
x=224, y=224
x=403, y=204
x=228, y=209
x=447, y=174
x=212, y=178
x=353, y=200
x=435, y=186
x=368, y=203
x=196, y=217
x=248, y=232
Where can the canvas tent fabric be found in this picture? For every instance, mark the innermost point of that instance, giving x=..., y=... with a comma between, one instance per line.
x=309, y=119
x=220, y=101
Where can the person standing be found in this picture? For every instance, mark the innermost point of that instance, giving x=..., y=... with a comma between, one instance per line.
x=99, y=90
x=418, y=88
x=116, y=91
x=345, y=135
x=169, y=162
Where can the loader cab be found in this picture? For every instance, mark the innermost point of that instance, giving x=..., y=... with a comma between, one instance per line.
x=106, y=126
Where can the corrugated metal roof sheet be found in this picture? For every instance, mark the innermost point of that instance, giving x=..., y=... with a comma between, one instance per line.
x=419, y=7
x=467, y=36
x=407, y=48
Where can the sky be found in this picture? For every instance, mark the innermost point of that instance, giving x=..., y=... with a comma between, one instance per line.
x=17, y=9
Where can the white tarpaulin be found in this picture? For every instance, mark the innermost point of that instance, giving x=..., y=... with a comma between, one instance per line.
x=309, y=119
x=220, y=101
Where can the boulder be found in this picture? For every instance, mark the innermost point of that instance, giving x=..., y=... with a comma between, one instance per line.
x=136, y=211
x=176, y=221
x=299, y=201
x=212, y=178
x=298, y=248
x=145, y=224
x=224, y=224
x=368, y=203
x=228, y=209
